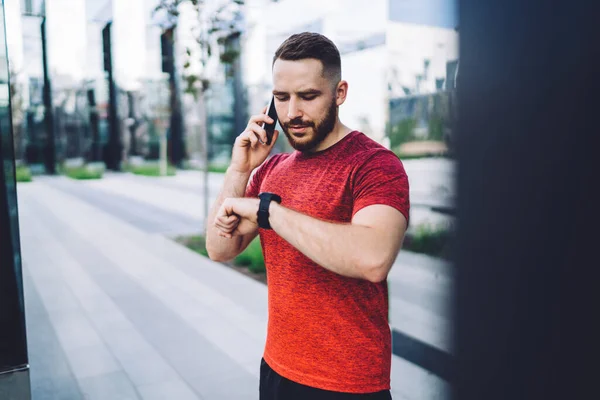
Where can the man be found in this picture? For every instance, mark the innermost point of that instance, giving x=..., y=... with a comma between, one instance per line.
x=332, y=219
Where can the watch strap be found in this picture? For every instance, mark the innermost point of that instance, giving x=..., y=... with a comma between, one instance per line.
x=263, y=208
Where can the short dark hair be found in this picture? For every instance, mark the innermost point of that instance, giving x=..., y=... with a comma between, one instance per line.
x=305, y=45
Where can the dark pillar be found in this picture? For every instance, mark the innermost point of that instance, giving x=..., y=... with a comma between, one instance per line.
x=114, y=147
x=96, y=150
x=132, y=102
x=176, y=144
x=50, y=148
x=239, y=101
x=528, y=232
x=14, y=368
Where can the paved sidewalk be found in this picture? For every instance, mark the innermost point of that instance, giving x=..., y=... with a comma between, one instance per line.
x=117, y=310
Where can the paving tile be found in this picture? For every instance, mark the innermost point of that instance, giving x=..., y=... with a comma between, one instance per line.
x=233, y=386
x=144, y=369
x=415, y=383
x=97, y=304
x=174, y=389
x=74, y=330
x=126, y=342
x=143, y=215
x=50, y=374
x=109, y=386
x=92, y=361
x=57, y=298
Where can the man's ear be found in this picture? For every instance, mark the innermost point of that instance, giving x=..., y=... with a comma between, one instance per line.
x=341, y=91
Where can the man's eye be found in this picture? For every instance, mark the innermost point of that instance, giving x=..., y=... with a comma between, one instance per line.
x=281, y=98
x=309, y=98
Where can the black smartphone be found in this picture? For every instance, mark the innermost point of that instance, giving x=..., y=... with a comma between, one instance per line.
x=270, y=128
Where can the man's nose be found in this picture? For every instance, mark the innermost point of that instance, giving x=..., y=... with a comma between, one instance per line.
x=293, y=110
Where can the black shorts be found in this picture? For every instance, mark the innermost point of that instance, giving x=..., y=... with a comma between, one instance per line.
x=275, y=387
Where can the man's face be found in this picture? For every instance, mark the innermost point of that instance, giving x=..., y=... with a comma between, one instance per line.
x=305, y=102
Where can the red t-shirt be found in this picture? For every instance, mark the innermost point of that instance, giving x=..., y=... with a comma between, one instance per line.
x=326, y=330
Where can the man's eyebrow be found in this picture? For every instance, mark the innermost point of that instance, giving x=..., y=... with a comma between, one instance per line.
x=308, y=91
x=300, y=93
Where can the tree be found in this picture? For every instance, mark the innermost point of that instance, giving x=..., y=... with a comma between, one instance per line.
x=215, y=23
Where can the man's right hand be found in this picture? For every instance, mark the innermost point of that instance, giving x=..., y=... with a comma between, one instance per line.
x=248, y=152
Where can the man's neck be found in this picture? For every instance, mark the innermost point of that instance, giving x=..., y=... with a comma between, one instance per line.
x=338, y=133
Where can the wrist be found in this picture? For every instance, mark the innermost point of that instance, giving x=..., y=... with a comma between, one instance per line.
x=235, y=173
x=275, y=211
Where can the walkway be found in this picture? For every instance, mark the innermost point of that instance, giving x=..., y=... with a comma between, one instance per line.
x=117, y=310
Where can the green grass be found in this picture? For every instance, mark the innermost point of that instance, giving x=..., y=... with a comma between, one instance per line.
x=82, y=173
x=431, y=240
x=405, y=157
x=150, y=170
x=196, y=243
x=23, y=174
x=221, y=169
x=215, y=168
x=251, y=258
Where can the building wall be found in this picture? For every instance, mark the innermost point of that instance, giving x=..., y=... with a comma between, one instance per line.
x=440, y=13
x=67, y=40
x=129, y=48
x=410, y=46
x=136, y=40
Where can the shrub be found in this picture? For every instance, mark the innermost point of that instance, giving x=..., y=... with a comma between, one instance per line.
x=23, y=174
x=196, y=243
x=402, y=132
x=150, y=169
x=251, y=257
x=217, y=168
x=431, y=240
x=82, y=172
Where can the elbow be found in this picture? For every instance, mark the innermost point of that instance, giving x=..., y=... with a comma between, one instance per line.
x=217, y=256
x=377, y=272
x=376, y=276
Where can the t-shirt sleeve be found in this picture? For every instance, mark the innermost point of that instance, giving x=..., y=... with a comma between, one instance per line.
x=253, y=188
x=381, y=179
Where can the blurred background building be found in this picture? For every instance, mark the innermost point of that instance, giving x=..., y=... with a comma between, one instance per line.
x=119, y=74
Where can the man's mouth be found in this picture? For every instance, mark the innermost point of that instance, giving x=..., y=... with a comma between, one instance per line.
x=298, y=128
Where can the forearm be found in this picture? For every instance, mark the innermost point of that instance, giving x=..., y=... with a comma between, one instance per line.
x=220, y=248
x=350, y=250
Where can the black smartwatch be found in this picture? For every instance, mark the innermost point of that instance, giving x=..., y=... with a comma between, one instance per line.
x=263, y=208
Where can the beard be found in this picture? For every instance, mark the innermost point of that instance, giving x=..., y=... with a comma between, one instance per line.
x=315, y=133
